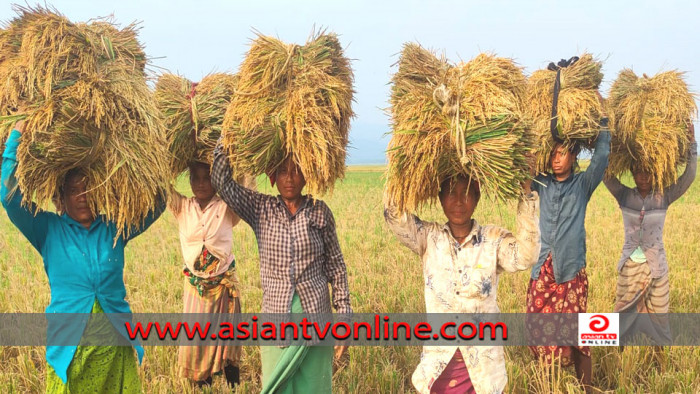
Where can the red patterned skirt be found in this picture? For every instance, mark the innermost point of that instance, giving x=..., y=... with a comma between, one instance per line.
x=454, y=379
x=545, y=295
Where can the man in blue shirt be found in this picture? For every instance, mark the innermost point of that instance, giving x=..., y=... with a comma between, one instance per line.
x=558, y=281
x=85, y=267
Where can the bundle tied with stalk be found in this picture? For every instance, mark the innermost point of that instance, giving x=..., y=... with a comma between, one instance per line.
x=193, y=114
x=81, y=89
x=650, y=118
x=292, y=101
x=578, y=107
x=449, y=120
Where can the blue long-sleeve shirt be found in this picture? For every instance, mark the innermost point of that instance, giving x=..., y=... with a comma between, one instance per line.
x=563, y=213
x=82, y=265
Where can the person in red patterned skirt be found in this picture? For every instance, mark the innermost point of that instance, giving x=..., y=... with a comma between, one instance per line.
x=559, y=283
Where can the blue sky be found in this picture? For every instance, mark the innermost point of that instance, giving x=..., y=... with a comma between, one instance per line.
x=194, y=38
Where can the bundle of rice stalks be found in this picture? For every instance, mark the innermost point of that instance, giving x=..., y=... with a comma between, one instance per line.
x=10, y=41
x=82, y=91
x=449, y=120
x=650, y=119
x=77, y=49
x=578, y=109
x=292, y=101
x=193, y=114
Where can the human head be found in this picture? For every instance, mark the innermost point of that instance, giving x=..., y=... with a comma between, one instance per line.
x=642, y=178
x=200, y=181
x=74, y=198
x=289, y=179
x=563, y=160
x=459, y=198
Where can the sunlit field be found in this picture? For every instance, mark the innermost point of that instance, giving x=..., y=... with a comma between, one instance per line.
x=383, y=277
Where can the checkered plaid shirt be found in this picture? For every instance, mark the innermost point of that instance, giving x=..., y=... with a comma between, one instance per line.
x=298, y=252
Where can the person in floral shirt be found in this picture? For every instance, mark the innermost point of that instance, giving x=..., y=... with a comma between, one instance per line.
x=461, y=264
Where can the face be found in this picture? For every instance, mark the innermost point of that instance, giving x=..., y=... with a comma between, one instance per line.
x=562, y=161
x=290, y=181
x=75, y=199
x=643, y=180
x=457, y=204
x=200, y=182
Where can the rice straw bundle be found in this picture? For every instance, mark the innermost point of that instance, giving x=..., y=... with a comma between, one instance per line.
x=292, y=101
x=10, y=41
x=650, y=119
x=193, y=114
x=82, y=91
x=579, y=109
x=450, y=120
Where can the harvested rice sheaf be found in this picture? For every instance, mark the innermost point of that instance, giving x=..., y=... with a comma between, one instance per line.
x=292, y=101
x=650, y=118
x=193, y=115
x=81, y=88
x=448, y=120
x=579, y=109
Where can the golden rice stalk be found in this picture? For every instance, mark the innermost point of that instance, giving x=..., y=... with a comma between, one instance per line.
x=649, y=120
x=449, y=120
x=193, y=114
x=172, y=97
x=10, y=41
x=578, y=107
x=82, y=91
x=35, y=30
x=292, y=101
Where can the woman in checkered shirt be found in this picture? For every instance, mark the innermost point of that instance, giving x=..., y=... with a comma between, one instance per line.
x=299, y=256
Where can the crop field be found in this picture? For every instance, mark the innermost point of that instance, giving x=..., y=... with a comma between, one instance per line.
x=383, y=277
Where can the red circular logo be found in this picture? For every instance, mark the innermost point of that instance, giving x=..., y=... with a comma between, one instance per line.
x=599, y=323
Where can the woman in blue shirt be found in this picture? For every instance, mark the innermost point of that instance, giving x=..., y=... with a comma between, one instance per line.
x=84, y=264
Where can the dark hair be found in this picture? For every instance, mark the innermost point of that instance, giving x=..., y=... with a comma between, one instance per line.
x=448, y=183
x=575, y=149
x=636, y=167
x=72, y=173
x=198, y=164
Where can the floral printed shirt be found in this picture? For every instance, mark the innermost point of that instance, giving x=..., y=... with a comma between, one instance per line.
x=463, y=278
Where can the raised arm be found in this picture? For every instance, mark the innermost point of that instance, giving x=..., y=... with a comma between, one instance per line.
x=675, y=191
x=33, y=227
x=616, y=188
x=334, y=266
x=152, y=216
x=520, y=251
x=235, y=219
x=408, y=228
x=244, y=202
x=599, y=162
x=175, y=201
